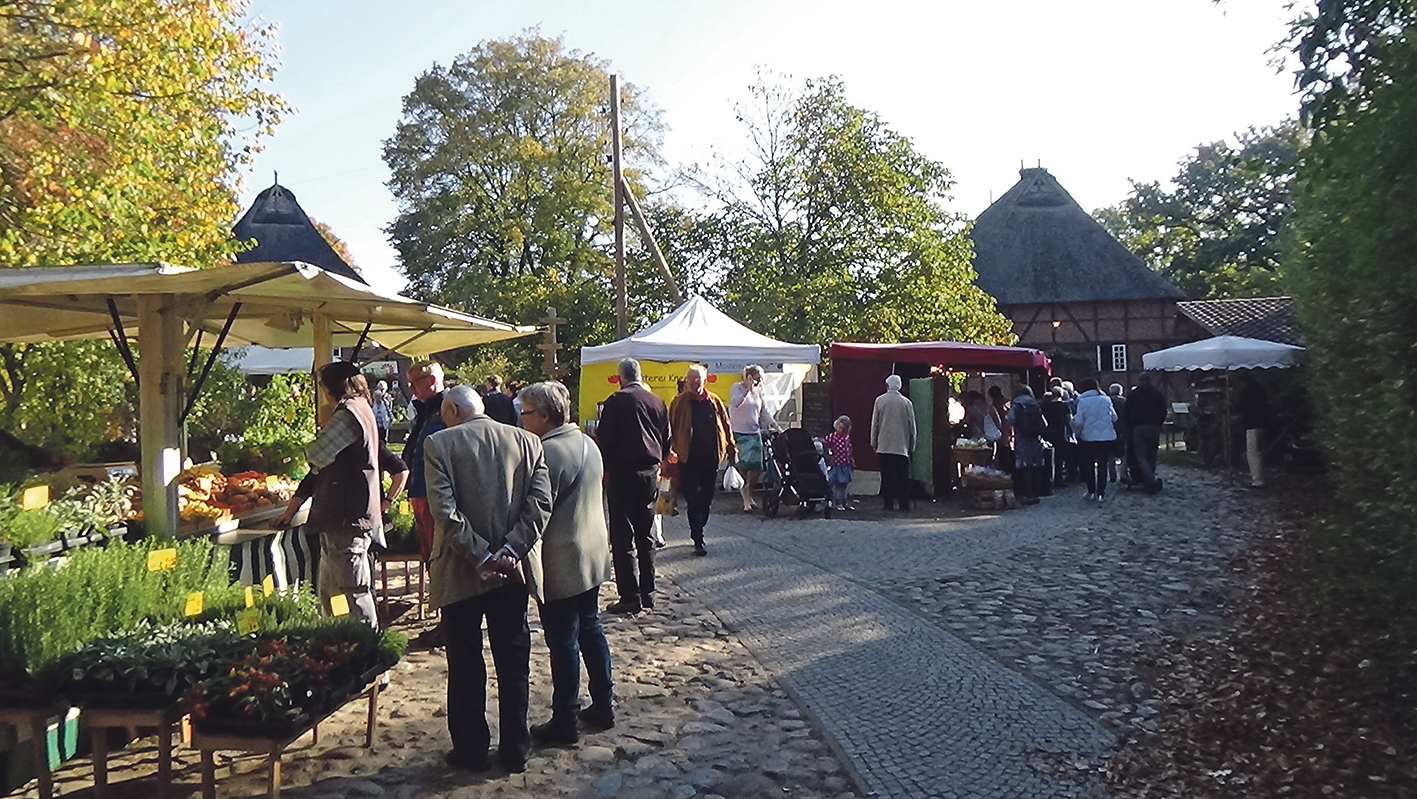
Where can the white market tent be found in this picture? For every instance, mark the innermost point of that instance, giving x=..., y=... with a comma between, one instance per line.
x=1223, y=353
x=700, y=333
x=266, y=361
x=170, y=307
x=697, y=332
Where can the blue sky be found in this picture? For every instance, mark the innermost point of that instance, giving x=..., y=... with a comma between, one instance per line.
x=1098, y=91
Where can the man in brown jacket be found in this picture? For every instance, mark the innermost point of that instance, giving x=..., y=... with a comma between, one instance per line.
x=700, y=435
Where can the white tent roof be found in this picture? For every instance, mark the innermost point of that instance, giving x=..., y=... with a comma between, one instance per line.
x=698, y=332
x=266, y=361
x=278, y=302
x=1223, y=353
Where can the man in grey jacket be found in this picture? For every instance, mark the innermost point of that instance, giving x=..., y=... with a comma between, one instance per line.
x=490, y=495
x=575, y=560
x=893, y=438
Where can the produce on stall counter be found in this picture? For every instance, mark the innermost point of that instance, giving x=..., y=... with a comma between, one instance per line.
x=204, y=494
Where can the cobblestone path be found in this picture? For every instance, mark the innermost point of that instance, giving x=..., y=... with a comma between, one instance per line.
x=918, y=712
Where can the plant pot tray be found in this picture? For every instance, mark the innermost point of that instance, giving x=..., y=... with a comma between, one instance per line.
x=207, y=739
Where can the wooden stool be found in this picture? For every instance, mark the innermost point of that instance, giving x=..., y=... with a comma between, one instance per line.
x=165, y=719
x=405, y=559
x=274, y=746
x=36, y=720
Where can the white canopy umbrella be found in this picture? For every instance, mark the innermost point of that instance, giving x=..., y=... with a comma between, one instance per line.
x=167, y=307
x=1222, y=353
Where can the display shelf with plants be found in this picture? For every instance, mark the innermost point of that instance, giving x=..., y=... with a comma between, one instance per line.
x=294, y=676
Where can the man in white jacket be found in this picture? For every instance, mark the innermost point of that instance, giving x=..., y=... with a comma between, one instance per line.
x=893, y=437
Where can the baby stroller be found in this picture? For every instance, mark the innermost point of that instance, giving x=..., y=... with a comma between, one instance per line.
x=799, y=479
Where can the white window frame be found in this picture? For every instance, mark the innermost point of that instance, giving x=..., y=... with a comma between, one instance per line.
x=1119, y=357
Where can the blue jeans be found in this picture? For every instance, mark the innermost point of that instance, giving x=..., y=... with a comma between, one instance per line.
x=573, y=632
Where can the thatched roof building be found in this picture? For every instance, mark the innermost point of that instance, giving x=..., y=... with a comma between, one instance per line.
x=284, y=233
x=1036, y=244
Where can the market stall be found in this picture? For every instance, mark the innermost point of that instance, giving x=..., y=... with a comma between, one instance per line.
x=697, y=332
x=858, y=374
x=1223, y=354
x=169, y=307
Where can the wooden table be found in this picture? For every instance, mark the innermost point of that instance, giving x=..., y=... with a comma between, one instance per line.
x=165, y=719
x=404, y=558
x=36, y=720
x=274, y=746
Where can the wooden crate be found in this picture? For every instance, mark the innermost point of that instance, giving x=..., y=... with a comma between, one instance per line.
x=990, y=498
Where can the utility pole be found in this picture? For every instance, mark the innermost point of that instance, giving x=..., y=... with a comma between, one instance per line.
x=623, y=198
x=622, y=306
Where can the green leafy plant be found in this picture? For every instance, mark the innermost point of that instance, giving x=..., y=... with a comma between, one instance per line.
x=157, y=661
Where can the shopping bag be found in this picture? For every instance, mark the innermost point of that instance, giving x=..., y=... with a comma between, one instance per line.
x=732, y=480
x=665, y=504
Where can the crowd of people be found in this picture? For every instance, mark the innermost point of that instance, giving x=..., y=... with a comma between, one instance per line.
x=511, y=501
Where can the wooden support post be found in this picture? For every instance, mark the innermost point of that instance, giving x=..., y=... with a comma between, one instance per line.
x=324, y=353
x=161, y=374
x=642, y=224
x=622, y=307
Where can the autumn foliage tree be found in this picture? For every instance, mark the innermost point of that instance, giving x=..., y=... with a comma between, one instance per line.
x=122, y=129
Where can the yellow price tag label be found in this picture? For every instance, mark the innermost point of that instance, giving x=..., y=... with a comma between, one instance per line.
x=339, y=605
x=194, y=604
x=250, y=596
x=268, y=585
x=248, y=620
x=35, y=497
x=162, y=559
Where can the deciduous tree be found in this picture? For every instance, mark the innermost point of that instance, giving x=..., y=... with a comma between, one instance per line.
x=833, y=228
x=122, y=127
x=1218, y=232
x=499, y=167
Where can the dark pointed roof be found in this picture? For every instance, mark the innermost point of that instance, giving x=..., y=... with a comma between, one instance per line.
x=284, y=233
x=1267, y=318
x=1036, y=244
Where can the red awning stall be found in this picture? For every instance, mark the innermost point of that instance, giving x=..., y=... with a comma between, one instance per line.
x=858, y=375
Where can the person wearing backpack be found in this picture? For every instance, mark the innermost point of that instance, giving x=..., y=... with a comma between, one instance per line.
x=1030, y=465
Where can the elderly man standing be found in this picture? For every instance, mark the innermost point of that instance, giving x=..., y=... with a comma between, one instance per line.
x=575, y=560
x=893, y=437
x=700, y=436
x=634, y=438
x=490, y=495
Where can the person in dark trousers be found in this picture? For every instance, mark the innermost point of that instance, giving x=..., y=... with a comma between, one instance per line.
x=634, y=440
x=893, y=439
x=575, y=560
x=1145, y=412
x=1253, y=408
x=700, y=435
x=490, y=493
x=425, y=379
x=1060, y=423
x=1030, y=464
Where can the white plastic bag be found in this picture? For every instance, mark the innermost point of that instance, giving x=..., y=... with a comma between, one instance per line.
x=732, y=480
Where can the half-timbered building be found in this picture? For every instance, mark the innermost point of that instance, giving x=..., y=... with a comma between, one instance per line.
x=1070, y=288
